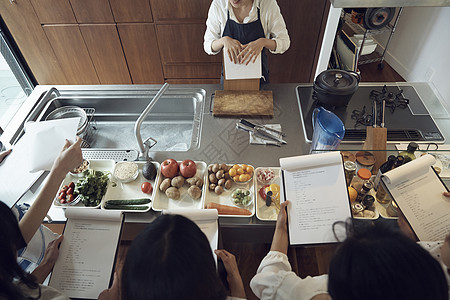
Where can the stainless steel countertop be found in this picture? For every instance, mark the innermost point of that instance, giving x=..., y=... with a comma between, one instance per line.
x=222, y=142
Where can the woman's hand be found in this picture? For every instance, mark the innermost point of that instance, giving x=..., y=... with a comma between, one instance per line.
x=69, y=158
x=113, y=293
x=233, y=276
x=51, y=255
x=4, y=154
x=232, y=47
x=280, y=240
x=250, y=51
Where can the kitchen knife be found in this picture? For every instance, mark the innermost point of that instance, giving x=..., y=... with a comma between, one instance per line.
x=259, y=132
x=250, y=124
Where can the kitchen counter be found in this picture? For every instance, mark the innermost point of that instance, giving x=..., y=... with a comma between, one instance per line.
x=222, y=142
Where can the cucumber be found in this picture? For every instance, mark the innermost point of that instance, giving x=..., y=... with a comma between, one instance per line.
x=126, y=207
x=129, y=202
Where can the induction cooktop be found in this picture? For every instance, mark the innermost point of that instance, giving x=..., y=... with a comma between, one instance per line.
x=406, y=117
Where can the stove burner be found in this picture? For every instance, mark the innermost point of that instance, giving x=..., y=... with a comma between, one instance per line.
x=362, y=117
x=391, y=101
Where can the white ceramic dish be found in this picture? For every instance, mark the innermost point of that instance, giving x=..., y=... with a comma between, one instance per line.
x=264, y=212
x=375, y=210
x=161, y=201
x=132, y=189
x=104, y=165
x=225, y=197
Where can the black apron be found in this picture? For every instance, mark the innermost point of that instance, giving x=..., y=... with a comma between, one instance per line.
x=246, y=33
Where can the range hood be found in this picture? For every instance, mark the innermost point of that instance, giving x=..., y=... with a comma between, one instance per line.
x=387, y=3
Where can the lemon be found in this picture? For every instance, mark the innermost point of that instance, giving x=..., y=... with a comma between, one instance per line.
x=352, y=194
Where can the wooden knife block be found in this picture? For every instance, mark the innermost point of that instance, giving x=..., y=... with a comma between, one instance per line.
x=376, y=139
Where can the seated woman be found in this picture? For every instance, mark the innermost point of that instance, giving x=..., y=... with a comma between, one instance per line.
x=15, y=283
x=375, y=264
x=172, y=259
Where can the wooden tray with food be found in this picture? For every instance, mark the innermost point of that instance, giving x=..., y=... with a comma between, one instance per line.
x=180, y=185
x=230, y=190
x=86, y=186
x=132, y=187
x=269, y=194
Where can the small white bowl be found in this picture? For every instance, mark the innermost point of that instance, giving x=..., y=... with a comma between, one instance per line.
x=236, y=201
x=126, y=171
x=79, y=171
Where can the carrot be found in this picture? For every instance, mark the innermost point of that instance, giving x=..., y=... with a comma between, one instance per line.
x=228, y=210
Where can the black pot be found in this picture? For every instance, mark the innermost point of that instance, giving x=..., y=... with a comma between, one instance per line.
x=335, y=87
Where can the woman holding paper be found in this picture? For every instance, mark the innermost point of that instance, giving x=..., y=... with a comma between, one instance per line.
x=243, y=28
x=357, y=271
x=14, y=282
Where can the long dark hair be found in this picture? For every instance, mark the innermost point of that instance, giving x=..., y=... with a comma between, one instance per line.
x=171, y=259
x=11, y=240
x=382, y=263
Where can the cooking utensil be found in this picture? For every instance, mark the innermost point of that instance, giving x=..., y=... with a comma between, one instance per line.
x=250, y=124
x=378, y=17
x=259, y=133
x=66, y=112
x=335, y=87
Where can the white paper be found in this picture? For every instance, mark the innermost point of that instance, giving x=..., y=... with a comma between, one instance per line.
x=206, y=220
x=242, y=71
x=418, y=193
x=48, y=138
x=87, y=252
x=316, y=187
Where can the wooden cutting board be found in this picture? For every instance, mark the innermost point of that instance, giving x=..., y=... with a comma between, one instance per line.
x=243, y=103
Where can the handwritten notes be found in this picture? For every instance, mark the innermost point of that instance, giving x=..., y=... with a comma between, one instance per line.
x=315, y=185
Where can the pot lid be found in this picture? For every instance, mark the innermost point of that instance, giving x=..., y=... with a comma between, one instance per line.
x=337, y=82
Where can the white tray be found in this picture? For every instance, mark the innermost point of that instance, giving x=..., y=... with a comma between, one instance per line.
x=375, y=210
x=264, y=212
x=161, y=201
x=132, y=190
x=225, y=197
x=95, y=164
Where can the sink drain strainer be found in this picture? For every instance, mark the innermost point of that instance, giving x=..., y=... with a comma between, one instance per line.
x=116, y=155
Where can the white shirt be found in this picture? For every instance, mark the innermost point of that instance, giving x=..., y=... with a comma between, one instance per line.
x=274, y=279
x=271, y=19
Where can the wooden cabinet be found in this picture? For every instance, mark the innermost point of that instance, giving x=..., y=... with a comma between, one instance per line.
x=72, y=53
x=54, y=12
x=131, y=11
x=145, y=41
x=141, y=52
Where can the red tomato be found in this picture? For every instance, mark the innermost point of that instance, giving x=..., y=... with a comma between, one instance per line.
x=69, y=198
x=147, y=188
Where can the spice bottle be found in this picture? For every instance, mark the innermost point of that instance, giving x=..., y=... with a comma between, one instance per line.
x=368, y=201
x=385, y=167
x=362, y=176
x=350, y=171
x=366, y=187
x=409, y=155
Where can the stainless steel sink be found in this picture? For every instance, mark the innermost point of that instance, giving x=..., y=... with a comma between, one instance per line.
x=174, y=121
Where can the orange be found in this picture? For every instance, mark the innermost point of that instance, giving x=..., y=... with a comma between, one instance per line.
x=352, y=194
x=240, y=171
x=232, y=172
x=236, y=178
x=249, y=169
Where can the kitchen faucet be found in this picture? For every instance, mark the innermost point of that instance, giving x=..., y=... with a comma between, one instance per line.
x=144, y=146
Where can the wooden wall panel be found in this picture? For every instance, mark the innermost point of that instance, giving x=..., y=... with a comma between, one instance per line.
x=72, y=54
x=27, y=32
x=105, y=49
x=173, y=10
x=54, y=12
x=183, y=43
x=131, y=11
x=92, y=11
x=197, y=70
x=141, y=52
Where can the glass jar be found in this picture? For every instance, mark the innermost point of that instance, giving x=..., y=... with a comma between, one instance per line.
x=362, y=175
x=365, y=189
x=350, y=171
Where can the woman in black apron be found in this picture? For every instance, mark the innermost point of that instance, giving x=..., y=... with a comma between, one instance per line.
x=245, y=40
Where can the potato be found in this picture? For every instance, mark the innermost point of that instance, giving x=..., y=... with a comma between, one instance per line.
x=195, y=181
x=210, y=168
x=221, y=182
x=173, y=193
x=212, y=178
x=212, y=186
x=165, y=184
x=215, y=168
x=219, y=174
x=218, y=190
x=224, y=167
x=227, y=175
x=228, y=184
x=177, y=181
x=195, y=192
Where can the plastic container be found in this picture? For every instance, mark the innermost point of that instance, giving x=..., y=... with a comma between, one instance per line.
x=328, y=130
